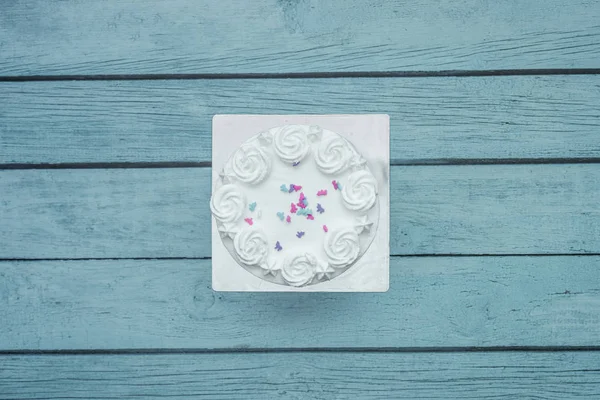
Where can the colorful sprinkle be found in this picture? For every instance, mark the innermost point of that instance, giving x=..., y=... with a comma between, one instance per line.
x=297, y=188
x=288, y=219
x=320, y=209
x=283, y=188
x=291, y=189
x=322, y=192
x=299, y=234
x=280, y=215
x=305, y=211
x=293, y=209
x=249, y=221
x=302, y=202
x=278, y=246
x=296, y=164
x=325, y=228
x=339, y=185
x=252, y=206
x=309, y=216
x=335, y=185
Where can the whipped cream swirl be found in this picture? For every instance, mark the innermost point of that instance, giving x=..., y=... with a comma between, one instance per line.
x=251, y=246
x=228, y=203
x=342, y=247
x=291, y=143
x=359, y=192
x=333, y=155
x=299, y=269
x=250, y=164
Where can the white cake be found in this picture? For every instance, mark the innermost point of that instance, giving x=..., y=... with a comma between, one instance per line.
x=296, y=205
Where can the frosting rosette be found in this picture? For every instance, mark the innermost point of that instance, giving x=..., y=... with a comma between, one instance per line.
x=250, y=164
x=228, y=203
x=299, y=269
x=291, y=143
x=342, y=247
x=333, y=155
x=251, y=246
x=359, y=192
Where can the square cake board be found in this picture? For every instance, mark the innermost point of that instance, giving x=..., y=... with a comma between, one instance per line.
x=370, y=134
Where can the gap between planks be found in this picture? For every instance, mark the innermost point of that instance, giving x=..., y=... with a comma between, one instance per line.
x=307, y=75
x=424, y=255
x=150, y=351
x=393, y=162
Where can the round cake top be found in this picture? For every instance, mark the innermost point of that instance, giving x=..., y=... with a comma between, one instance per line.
x=296, y=205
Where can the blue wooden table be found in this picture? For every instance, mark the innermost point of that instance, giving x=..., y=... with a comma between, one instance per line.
x=105, y=149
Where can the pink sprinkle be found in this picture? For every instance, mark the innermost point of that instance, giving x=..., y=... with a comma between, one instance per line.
x=335, y=186
x=293, y=209
x=322, y=193
x=309, y=216
x=296, y=188
x=325, y=228
x=288, y=219
x=301, y=201
x=249, y=221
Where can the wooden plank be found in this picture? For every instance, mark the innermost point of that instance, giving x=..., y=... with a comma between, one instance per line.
x=128, y=213
x=511, y=375
x=273, y=36
x=432, y=119
x=432, y=302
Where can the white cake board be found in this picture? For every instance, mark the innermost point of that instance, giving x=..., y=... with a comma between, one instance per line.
x=370, y=134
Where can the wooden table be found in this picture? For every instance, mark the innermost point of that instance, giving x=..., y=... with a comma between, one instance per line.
x=105, y=149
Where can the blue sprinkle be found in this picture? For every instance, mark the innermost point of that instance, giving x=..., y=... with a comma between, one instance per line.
x=304, y=201
x=280, y=215
x=284, y=188
x=339, y=186
x=252, y=206
x=304, y=211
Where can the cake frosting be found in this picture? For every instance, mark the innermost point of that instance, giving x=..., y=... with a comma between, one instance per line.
x=251, y=246
x=296, y=205
x=291, y=143
x=228, y=203
x=333, y=155
x=342, y=247
x=360, y=191
x=250, y=164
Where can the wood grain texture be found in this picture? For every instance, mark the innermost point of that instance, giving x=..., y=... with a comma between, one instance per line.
x=185, y=36
x=547, y=376
x=433, y=119
x=130, y=213
x=432, y=302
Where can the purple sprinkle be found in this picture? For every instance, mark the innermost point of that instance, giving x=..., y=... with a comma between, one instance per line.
x=320, y=209
x=278, y=246
x=296, y=163
x=291, y=188
x=299, y=234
